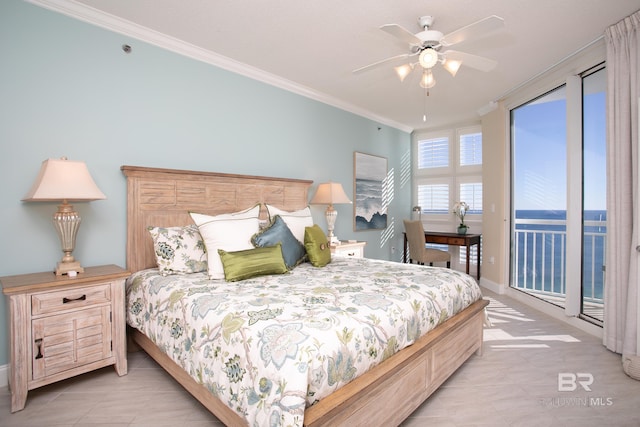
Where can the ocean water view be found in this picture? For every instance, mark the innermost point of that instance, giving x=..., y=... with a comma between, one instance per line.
x=540, y=252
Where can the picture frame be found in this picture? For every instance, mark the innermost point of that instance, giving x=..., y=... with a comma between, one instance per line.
x=369, y=180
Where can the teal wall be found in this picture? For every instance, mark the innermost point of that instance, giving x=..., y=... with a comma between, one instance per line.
x=68, y=89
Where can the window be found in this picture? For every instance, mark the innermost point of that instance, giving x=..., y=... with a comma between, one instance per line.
x=447, y=167
x=471, y=192
x=558, y=186
x=433, y=153
x=433, y=198
x=470, y=149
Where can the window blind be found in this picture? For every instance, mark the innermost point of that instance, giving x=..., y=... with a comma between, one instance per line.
x=433, y=198
x=433, y=153
x=471, y=149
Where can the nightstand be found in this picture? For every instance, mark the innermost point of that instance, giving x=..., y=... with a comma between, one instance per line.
x=64, y=326
x=349, y=249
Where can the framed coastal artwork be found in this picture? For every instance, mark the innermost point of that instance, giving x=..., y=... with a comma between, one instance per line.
x=370, y=173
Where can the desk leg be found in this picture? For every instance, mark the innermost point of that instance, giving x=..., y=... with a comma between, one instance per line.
x=404, y=249
x=468, y=256
x=478, y=261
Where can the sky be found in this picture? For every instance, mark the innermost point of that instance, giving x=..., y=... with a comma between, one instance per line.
x=540, y=153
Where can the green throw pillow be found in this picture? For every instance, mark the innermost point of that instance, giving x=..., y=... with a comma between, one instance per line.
x=317, y=246
x=248, y=263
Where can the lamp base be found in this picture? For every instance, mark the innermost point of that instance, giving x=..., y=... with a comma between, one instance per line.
x=65, y=267
x=331, y=215
x=67, y=221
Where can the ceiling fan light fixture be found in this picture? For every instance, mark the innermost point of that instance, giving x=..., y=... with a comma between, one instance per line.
x=452, y=66
x=403, y=71
x=428, y=57
x=427, y=81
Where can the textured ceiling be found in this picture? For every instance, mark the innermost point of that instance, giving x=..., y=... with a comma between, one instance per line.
x=314, y=45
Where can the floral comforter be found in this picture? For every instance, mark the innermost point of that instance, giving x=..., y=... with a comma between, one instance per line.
x=270, y=346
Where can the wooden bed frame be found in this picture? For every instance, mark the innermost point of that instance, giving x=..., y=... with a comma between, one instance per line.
x=388, y=394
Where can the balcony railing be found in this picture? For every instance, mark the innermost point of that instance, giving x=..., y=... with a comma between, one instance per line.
x=540, y=261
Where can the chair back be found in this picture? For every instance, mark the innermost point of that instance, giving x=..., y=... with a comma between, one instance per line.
x=415, y=238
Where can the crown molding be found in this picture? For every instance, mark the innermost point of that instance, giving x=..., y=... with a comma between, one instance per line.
x=113, y=23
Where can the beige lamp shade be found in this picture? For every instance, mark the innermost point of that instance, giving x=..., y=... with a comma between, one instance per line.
x=330, y=193
x=62, y=179
x=65, y=180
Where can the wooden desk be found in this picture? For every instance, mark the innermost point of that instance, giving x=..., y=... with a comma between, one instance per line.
x=454, y=239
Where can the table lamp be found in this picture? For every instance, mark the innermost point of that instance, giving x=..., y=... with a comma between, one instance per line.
x=330, y=193
x=65, y=180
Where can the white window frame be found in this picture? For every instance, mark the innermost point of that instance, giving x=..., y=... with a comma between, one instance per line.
x=427, y=176
x=434, y=180
x=453, y=175
x=467, y=168
x=469, y=179
x=431, y=171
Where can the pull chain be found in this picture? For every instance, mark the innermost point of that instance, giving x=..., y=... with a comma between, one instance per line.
x=426, y=93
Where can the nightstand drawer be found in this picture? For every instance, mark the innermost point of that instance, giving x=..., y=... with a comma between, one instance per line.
x=51, y=302
x=349, y=249
x=353, y=252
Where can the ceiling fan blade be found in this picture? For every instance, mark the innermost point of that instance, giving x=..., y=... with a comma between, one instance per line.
x=469, y=60
x=476, y=29
x=402, y=34
x=379, y=63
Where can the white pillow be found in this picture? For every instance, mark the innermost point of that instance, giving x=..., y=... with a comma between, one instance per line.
x=295, y=220
x=230, y=232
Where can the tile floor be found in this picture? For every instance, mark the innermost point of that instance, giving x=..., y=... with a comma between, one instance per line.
x=514, y=383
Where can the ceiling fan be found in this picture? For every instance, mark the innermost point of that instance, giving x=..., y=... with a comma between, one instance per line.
x=429, y=46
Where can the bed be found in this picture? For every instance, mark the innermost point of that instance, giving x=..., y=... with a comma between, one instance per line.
x=336, y=392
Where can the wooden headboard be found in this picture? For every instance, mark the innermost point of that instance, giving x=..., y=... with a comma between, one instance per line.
x=164, y=198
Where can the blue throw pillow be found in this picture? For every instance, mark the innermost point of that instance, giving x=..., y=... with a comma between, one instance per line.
x=293, y=251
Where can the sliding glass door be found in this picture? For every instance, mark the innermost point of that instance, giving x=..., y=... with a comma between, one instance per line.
x=594, y=226
x=558, y=212
x=539, y=203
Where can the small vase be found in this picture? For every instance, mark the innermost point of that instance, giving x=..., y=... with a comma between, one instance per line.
x=462, y=229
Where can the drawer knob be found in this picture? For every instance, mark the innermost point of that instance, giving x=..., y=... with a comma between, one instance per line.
x=66, y=300
x=39, y=344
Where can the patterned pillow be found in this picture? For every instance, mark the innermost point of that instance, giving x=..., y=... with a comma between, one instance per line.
x=317, y=246
x=178, y=249
x=278, y=232
x=229, y=232
x=295, y=220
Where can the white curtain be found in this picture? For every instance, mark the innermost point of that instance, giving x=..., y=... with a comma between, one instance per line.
x=621, y=299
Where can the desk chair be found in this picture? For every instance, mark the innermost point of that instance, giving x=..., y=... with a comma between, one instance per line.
x=417, y=246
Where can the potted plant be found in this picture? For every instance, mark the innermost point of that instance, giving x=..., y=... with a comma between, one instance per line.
x=460, y=210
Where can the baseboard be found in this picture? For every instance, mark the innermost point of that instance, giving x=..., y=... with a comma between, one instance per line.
x=492, y=286
x=4, y=375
